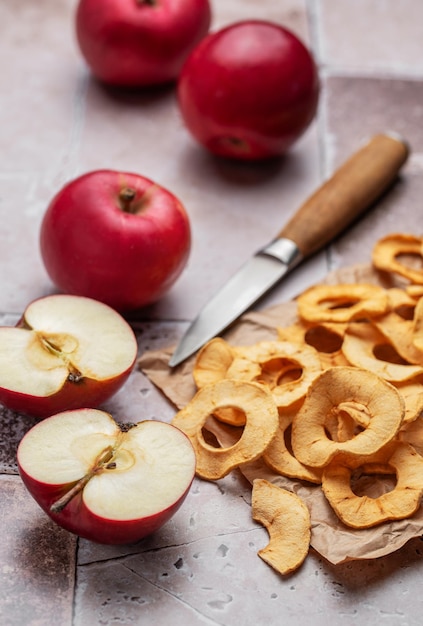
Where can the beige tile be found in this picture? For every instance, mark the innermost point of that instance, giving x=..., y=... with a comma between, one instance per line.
x=291, y=14
x=12, y=428
x=138, y=399
x=39, y=85
x=23, y=201
x=37, y=562
x=383, y=35
x=221, y=580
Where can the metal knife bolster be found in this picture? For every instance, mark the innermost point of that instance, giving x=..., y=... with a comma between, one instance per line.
x=285, y=250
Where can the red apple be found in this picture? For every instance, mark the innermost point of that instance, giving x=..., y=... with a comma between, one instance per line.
x=135, y=43
x=103, y=482
x=116, y=237
x=66, y=352
x=249, y=90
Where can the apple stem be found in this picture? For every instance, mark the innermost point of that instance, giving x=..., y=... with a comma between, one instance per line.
x=126, y=199
x=104, y=459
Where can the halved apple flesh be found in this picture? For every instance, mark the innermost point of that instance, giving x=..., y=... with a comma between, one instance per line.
x=66, y=352
x=104, y=482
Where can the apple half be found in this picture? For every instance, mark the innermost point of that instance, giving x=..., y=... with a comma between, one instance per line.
x=107, y=483
x=66, y=352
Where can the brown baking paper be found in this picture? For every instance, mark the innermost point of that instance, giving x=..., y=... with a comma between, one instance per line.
x=332, y=539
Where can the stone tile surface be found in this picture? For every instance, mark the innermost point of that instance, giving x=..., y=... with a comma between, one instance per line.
x=381, y=36
x=58, y=122
x=37, y=569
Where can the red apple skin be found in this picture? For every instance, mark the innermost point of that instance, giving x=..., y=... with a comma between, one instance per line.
x=138, y=43
x=78, y=519
x=249, y=90
x=86, y=393
x=92, y=247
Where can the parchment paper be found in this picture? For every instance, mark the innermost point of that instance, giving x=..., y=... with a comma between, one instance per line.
x=332, y=539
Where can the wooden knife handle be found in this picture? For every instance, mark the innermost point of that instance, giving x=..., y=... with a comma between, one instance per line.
x=347, y=194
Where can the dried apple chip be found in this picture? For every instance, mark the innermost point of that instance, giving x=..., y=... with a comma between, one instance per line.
x=279, y=456
x=212, y=362
x=400, y=335
x=340, y=391
x=398, y=325
x=342, y=303
x=325, y=337
x=215, y=361
x=294, y=332
x=414, y=291
x=261, y=424
x=387, y=253
x=287, y=520
x=401, y=303
x=366, y=347
x=412, y=394
x=417, y=331
x=412, y=433
x=286, y=368
x=362, y=511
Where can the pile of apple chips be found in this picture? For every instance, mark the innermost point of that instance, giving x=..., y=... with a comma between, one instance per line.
x=336, y=397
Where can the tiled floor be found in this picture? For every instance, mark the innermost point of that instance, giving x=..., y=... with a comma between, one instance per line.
x=57, y=122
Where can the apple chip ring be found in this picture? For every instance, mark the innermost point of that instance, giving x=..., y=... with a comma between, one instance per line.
x=347, y=390
x=325, y=337
x=401, y=334
x=387, y=250
x=398, y=325
x=215, y=361
x=414, y=291
x=279, y=457
x=342, y=303
x=287, y=520
x=412, y=433
x=417, y=332
x=212, y=364
x=366, y=347
x=412, y=394
x=261, y=424
x=286, y=368
x=364, y=511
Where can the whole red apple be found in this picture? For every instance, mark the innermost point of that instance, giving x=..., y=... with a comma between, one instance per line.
x=116, y=237
x=249, y=91
x=107, y=483
x=137, y=43
x=66, y=352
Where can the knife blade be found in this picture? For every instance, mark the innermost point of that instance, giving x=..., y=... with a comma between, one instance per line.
x=351, y=190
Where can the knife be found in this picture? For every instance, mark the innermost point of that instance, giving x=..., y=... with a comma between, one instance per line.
x=326, y=213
